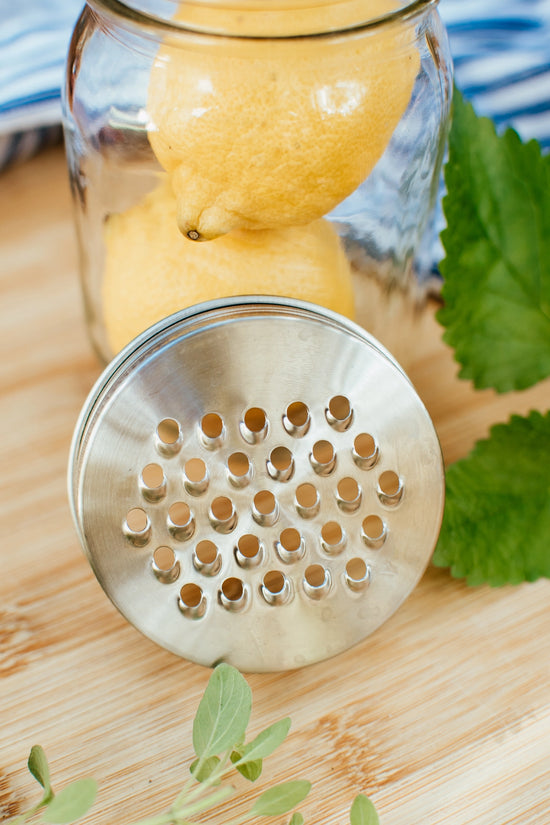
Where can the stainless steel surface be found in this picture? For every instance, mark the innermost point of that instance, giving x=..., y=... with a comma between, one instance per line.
x=256, y=481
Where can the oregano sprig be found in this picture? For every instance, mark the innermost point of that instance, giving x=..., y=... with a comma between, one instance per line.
x=221, y=749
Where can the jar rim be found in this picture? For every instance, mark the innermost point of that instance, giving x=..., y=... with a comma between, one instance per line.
x=124, y=12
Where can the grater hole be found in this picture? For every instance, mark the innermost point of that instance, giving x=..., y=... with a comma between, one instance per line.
x=316, y=581
x=222, y=508
x=390, y=487
x=275, y=587
x=357, y=574
x=348, y=494
x=181, y=523
x=206, y=551
x=306, y=495
x=212, y=430
x=137, y=527
x=152, y=482
x=308, y=500
x=239, y=469
x=179, y=513
x=297, y=413
x=223, y=515
x=291, y=546
x=168, y=432
x=274, y=581
x=280, y=464
x=249, y=545
x=195, y=470
x=315, y=575
x=373, y=531
x=207, y=558
x=254, y=425
x=191, y=594
x=152, y=476
x=331, y=532
x=238, y=464
x=233, y=589
x=212, y=425
x=323, y=457
x=196, y=476
x=290, y=539
x=232, y=594
x=281, y=458
x=333, y=538
x=255, y=419
x=265, y=509
x=265, y=502
x=323, y=452
x=164, y=558
x=365, y=451
x=192, y=601
x=339, y=413
x=248, y=551
x=296, y=419
x=136, y=520
x=165, y=565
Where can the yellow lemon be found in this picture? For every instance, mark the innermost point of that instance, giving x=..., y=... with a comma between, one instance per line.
x=151, y=270
x=261, y=134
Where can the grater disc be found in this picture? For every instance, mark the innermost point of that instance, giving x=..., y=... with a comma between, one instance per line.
x=256, y=481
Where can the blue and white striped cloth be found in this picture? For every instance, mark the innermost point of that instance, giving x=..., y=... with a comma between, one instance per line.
x=501, y=50
x=34, y=37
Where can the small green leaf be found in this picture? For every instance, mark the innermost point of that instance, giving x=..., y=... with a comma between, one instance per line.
x=71, y=803
x=363, y=812
x=496, y=270
x=250, y=770
x=296, y=819
x=266, y=742
x=282, y=798
x=207, y=767
x=497, y=513
x=38, y=766
x=223, y=713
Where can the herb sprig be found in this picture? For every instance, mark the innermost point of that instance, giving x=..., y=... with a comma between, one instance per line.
x=221, y=748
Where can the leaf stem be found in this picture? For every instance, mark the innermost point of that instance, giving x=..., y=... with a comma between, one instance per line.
x=180, y=815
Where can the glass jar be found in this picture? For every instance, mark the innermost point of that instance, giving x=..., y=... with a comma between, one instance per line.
x=224, y=147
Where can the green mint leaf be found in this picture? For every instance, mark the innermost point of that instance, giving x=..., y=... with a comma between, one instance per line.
x=296, y=819
x=363, y=812
x=497, y=513
x=496, y=270
x=250, y=770
x=205, y=767
x=281, y=798
x=38, y=766
x=223, y=713
x=266, y=742
x=71, y=803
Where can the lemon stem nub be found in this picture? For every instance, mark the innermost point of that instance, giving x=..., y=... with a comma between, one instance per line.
x=193, y=235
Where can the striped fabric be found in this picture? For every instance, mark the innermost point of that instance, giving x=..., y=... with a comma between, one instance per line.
x=34, y=36
x=501, y=53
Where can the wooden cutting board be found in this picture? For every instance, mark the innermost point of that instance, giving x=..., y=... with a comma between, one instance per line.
x=442, y=716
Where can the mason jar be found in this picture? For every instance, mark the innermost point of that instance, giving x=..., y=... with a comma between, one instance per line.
x=227, y=147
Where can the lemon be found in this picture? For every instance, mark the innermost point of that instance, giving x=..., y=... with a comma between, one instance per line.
x=152, y=270
x=262, y=134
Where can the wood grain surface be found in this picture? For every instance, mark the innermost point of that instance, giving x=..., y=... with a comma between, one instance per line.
x=442, y=715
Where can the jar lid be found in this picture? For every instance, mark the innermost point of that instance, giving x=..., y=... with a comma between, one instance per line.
x=256, y=481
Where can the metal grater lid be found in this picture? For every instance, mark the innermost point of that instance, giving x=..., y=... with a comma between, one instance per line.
x=256, y=481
